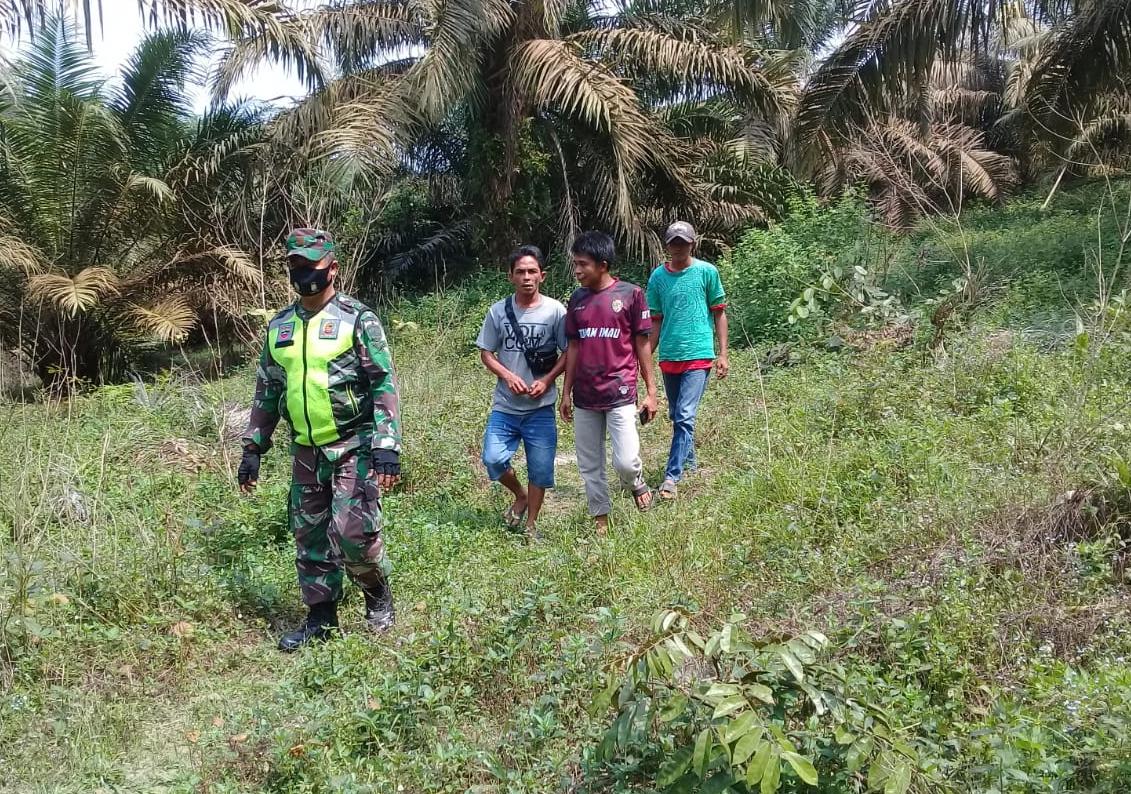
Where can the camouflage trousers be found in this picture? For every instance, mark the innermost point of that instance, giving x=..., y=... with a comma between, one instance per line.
x=335, y=514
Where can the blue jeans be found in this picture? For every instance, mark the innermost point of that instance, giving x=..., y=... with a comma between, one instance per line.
x=684, y=393
x=538, y=432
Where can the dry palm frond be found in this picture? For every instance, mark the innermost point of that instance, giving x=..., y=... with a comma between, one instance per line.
x=168, y=320
x=74, y=295
x=237, y=262
x=910, y=175
x=969, y=165
x=19, y=255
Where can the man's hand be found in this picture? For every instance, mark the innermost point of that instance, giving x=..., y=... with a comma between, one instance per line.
x=537, y=389
x=722, y=366
x=566, y=409
x=516, y=384
x=248, y=472
x=387, y=465
x=648, y=409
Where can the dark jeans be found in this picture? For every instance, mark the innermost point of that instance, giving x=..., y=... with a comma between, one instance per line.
x=684, y=393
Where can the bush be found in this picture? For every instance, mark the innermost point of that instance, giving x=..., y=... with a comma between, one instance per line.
x=771, y=267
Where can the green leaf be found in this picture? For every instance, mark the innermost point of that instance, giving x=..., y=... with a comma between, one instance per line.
x=807, y=295
x=843, y=735
x=718, y=692
x=624, y=726
x=740, y=727
x=802, y=311
x=747, y=746
x=859, y=753
x=772, y=776
x=802, y=651
x=608, y=745
x=701, y=756
x=783, y=741
x=679, y=645
x=761, y=692
x=726, y=641
x=793, y=663
x=900, y=779
x=729, y=706
x=685, y=785
x=877, y=774
x=717, y=784
x=674, y=769
x=802, y=766
x=674, y=707
x=815, y=697
x=669, y=620
x=757, y=767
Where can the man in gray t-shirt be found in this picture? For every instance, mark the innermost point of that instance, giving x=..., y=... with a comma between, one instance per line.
x=523, y=407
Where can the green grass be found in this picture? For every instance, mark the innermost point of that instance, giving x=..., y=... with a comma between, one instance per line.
x=882, y=497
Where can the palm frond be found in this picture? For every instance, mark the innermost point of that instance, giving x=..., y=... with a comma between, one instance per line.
x=154, y=188
x=74, y=295
x=699, y=66
x=152, y=97
x=169, y=320
x=16, y=254
x=1089, y=54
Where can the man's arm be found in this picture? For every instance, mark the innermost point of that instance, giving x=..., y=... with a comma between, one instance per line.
x=495, y=367
x=722, y=364
x=543, y=384
x=654, y=338
x=270, y=383
x=377, y=364
x=570, y=357
x=643, y=345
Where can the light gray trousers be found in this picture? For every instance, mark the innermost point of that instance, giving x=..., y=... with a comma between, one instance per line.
x=589, y=428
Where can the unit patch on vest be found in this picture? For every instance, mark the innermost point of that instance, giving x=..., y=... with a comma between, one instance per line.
x=286, y=335
x=329, y=329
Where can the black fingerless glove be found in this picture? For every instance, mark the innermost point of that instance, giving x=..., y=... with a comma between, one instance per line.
x=248, y=471
x=386, y=461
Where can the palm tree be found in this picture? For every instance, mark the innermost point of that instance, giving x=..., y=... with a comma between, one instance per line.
x=493, y=94
x=1051, y=74
x=107, y=199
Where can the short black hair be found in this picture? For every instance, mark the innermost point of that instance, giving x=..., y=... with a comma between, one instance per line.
x=597, y=246
x=527, y=250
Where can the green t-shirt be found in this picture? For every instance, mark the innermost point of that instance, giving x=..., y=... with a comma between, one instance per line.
x=684, y=301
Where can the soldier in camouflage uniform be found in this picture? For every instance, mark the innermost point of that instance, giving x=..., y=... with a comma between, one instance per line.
x=326, y=369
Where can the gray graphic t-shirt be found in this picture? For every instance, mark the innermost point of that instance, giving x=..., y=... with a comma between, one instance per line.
x=543, y=326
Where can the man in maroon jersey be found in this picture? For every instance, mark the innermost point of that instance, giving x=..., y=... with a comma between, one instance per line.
x=607, y=324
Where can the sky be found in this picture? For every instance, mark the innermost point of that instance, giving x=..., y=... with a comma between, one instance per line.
x=123, y=27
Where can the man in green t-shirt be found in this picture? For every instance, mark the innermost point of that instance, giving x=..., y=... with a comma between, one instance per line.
x=688, y=308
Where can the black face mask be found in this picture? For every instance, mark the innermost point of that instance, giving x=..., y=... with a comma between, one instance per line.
x=308, y=281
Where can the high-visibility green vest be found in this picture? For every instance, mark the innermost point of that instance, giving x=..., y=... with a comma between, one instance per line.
x=306, y=350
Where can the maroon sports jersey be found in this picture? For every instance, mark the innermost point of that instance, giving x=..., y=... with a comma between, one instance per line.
x=606, y=324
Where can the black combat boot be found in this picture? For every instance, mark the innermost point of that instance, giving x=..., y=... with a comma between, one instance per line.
x=379, y=613
x=319, y=626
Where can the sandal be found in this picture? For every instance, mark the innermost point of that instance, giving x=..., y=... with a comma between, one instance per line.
x=514, y=521
x=647, y=505
x=668, y=490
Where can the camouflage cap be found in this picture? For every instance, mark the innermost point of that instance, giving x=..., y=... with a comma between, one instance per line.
x=312, y=244
x=681, y=229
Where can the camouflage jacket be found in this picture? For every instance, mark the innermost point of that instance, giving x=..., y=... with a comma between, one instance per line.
x=330, y=375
